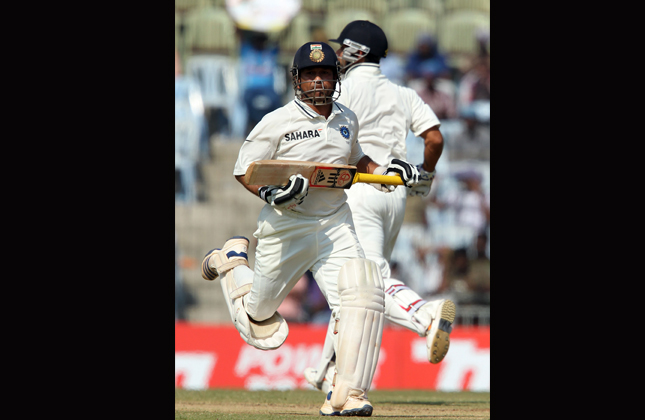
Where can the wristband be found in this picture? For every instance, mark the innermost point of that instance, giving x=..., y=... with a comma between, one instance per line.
x=264, y=193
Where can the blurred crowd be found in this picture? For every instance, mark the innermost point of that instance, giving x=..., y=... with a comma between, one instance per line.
x=444, y=246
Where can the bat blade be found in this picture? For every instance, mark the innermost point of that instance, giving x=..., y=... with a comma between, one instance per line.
x=320, y=174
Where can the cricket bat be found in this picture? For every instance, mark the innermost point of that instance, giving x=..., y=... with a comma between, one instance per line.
x=320, y=175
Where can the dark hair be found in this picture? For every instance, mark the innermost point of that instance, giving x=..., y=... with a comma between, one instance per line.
x=372, y=58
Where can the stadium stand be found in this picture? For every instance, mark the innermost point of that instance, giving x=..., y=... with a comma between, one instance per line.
x=459, y=5
x=436, y=7
x=394, y=5
x=314, y=6
x=337, y=19
x=210, y=30
x=297, y=33
x=183, y=6
x=178, y=30
x=457, y=33
x=407, y=24
x=189, y=114
x=378, y=8
x=218, y=81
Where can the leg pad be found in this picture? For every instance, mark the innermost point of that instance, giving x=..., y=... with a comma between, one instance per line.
x=360, y=329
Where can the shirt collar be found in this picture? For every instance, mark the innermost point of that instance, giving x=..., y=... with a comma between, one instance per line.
x=364, y=68
x=310, y=113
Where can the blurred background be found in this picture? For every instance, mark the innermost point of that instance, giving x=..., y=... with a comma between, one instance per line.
x=231, y=68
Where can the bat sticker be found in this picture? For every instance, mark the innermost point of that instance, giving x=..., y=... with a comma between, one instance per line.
x=332, y=177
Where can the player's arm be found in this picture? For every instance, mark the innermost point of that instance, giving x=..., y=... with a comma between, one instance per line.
x=433, y=148
x=252, y=188
x=367, y=165
x=423, y=116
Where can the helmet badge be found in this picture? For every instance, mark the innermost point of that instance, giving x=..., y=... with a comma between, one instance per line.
x=316, y=55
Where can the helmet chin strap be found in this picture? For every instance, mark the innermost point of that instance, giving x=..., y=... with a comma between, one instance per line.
x=343, y=69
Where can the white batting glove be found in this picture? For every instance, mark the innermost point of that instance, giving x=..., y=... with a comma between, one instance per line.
x=425, y=182
x=381, y=170
x=408, y=172
x=289, y=196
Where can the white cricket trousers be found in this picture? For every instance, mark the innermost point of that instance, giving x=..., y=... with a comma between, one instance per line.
x=290, y=244
x=377, y=219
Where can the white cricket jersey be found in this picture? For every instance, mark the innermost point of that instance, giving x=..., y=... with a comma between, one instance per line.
x=297, y=132
x=385, y=111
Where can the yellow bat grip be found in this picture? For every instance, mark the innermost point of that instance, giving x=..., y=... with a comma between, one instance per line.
x=377, y=179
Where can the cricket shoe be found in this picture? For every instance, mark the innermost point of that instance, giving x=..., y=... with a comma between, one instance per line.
x=311, y=375
x=438, y=337
x=218, y=261
x=359, y=407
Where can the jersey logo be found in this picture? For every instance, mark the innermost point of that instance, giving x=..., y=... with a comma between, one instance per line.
x=299, y=135
x=344, y=131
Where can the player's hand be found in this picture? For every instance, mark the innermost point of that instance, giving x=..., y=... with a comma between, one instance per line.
x=289, y=196
x=380, y=170
x=425, y=182
x=408, y=172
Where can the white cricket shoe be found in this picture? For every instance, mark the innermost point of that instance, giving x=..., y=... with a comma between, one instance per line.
x=311, y=375
x=359, y=407
x=217, y=261
x=438, y=337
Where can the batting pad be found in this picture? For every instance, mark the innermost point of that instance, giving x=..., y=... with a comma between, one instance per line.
x=360, y=329
x=405, y=307
x=264, y=335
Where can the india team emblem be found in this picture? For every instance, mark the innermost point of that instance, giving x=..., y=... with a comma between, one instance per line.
x=344, y=131
x=316, y=54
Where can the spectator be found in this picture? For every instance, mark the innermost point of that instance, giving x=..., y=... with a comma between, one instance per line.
x=393, y=67
x=259, y=62
x=419, y=262
x=456, y=276
x=315, y=305
x=191, y=137
x=291, y=308
x=177, y=64
x=483, y=42
x=427, y=53
x=469, y=206
x=479, y=275
x=474, y=85
x=471, y=141
x=305, y=303
x=183, y=297
x=441, y=102
x=467, y=280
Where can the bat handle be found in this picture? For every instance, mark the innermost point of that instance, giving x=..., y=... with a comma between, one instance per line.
x=378, y=179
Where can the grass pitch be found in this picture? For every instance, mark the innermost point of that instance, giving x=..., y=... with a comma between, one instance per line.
x=302, y=404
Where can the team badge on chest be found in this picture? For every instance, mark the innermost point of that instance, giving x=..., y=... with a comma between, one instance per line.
x=344, y=131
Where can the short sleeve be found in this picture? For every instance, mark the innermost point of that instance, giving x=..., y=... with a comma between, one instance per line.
x=261, y=143
x=423, y=117
x=357, y=151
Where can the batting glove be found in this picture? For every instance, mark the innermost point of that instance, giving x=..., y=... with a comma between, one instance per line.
x=408, y=172
x=425, y=182
x=289, y=196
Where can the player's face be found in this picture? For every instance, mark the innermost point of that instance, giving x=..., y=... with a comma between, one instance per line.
x=317, y=83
